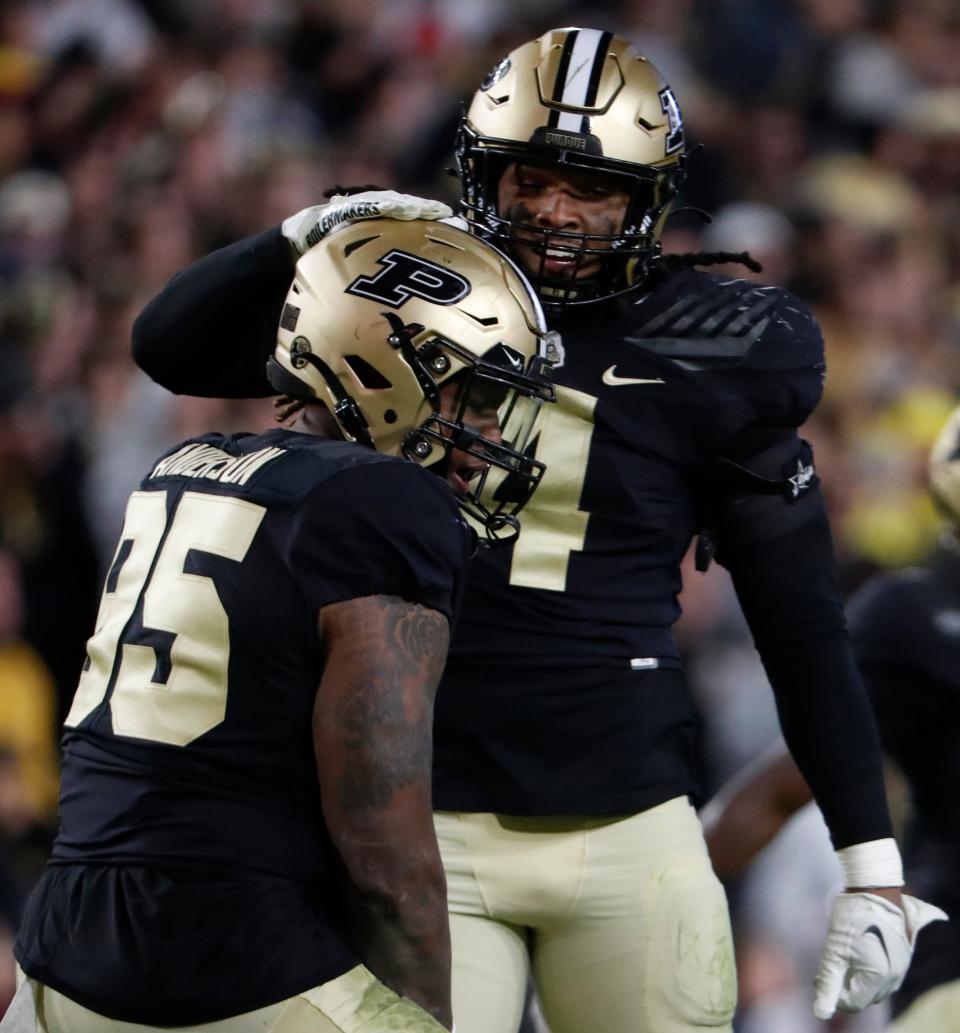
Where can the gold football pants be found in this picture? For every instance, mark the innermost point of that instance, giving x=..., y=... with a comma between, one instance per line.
x=936, y=1011
x=620, y=922
x=355, y=1002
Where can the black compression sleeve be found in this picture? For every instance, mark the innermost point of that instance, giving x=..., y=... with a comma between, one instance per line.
x=788, y=590
x=212, y=328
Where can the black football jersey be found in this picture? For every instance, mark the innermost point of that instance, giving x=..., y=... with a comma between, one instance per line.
x=563, y=692
x=905, y=627
x=906, y=631
x=648, y=402
x=192, y=876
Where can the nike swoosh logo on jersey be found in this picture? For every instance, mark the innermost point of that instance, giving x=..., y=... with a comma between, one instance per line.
x=879, y=935
x=611, y=379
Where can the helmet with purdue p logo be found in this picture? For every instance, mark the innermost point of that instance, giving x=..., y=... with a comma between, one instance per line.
x=583, y=100
x=382, y=314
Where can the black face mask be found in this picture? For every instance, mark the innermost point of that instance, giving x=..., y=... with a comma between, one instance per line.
x=623, y=256
x=503, y=389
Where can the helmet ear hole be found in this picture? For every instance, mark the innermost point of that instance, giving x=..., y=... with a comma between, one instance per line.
x=370, y=377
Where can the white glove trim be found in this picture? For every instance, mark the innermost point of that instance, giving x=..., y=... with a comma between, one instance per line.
x=875, y=864
x=309, y=226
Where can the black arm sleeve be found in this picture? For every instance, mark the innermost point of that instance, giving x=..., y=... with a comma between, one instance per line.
x=787, y=587
x=211, y=330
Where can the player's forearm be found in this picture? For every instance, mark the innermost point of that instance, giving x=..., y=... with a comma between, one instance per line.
x=399, y=914
x=380, y=819
x=738, y=834
x=830, y=730
x=750, y=810
x=373, y=737
x=788, y=591
x=210, y=331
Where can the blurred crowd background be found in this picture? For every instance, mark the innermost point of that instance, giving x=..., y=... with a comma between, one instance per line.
x=136, y=136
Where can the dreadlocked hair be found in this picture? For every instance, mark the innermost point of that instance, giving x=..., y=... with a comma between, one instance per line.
x=666, y=265
x=287, y=406
x=350, y=191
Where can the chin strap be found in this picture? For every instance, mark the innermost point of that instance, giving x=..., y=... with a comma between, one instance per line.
x=500, y=530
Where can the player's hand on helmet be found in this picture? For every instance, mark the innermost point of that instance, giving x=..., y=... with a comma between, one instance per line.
x=310, y=225
x=868, y=950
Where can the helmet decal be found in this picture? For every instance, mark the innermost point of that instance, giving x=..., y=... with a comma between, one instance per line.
x=405, y=276
x=668, y=102
x=420, y=384
x=289, y=317
x=578, y=78
x=496, y=74
x=553, y=349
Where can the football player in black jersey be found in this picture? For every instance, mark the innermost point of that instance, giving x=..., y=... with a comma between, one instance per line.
x=564, y=735
x=246, y=838
x=905, y=626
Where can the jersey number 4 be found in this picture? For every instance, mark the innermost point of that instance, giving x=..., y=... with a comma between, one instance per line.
x=554, y=525
x=184, y=608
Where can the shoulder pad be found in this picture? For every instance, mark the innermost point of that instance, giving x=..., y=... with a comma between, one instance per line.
x=704, y=320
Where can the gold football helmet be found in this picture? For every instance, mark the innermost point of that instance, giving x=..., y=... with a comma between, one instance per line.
x=944, y=468
x=382, y=314
x=586, y=100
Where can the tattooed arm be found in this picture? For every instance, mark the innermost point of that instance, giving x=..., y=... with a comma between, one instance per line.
x=372, y=732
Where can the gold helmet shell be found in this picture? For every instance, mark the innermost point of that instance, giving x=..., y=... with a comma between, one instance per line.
x=587, y=100
x=944, y=468
x=382, y=313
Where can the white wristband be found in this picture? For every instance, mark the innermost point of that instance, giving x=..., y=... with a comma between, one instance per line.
x=876, y=864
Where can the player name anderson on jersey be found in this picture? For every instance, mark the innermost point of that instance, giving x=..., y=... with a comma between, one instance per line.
x=197, y=460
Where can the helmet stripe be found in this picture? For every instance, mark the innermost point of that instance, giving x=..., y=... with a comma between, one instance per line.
x=587, y=54
x=598, y=63
x=561, y=80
